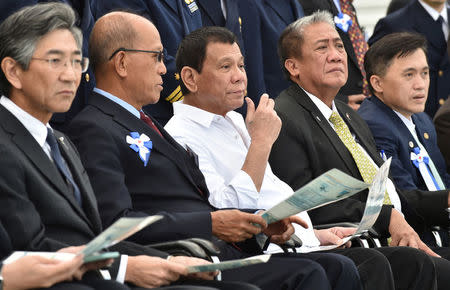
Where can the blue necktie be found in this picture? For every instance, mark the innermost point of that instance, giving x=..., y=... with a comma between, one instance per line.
x=59, y=162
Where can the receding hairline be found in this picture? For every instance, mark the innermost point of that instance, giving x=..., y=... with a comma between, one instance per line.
x=103, y=22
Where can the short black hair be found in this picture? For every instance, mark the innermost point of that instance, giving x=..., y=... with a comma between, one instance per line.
x=192, y=49
x=395, y=45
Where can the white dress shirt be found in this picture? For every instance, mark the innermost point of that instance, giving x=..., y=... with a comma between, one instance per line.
x=36, y=128
x=221, y=144
x=326, y=112
x=39, y=132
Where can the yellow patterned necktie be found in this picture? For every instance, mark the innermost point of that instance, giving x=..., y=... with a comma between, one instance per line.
x=365, y=166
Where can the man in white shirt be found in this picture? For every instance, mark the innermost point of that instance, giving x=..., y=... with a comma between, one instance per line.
x=233, y=154
x=46, y=197
x=320, y=133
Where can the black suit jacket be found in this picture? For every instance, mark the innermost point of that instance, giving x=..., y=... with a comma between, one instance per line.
x=171, y=184
x=308, y=146
x=414, y=18
x=38, y=211
x=354, y=83
x=442, y=124
x=5, y=243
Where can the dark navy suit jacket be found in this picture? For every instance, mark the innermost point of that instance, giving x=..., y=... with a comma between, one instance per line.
x=415, y=18
x=392, y=136
x=212, y=15
x=262, y=24
x=308, y=146
x=170, y=184
x=174, y=19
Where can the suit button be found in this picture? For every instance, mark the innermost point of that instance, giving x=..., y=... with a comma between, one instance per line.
x=87, y=77
x=440, y=73
x=426, y=136
x=441, y=102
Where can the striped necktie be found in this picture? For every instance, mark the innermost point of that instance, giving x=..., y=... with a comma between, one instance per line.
x=359, y=44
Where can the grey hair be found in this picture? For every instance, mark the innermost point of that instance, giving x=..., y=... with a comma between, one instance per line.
x=21, y=31
x=291, y=39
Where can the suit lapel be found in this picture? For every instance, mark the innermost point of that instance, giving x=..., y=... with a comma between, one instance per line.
x=425, y=24
x=303, y=99
x=28, y=145
x=357, y=130
x=89, y=211
x=167, y=146
x=283, y=9
x=395, y=120
x=213, y=10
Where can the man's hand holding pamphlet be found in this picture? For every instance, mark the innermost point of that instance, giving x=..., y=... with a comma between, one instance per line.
x=332, y=186
x=120, y=230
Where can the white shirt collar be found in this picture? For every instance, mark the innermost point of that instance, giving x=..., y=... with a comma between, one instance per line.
x=433, y=13
x=36, y=128
x=197, y=115
x=408, y=123
x=323, y=108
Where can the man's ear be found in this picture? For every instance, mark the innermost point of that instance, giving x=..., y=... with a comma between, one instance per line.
x=291, y=66
x=121, y=64
x=377, y=83
x=13, y=71
x=189, y=77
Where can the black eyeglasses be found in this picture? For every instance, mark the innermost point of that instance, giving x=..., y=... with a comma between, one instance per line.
x=159, y=56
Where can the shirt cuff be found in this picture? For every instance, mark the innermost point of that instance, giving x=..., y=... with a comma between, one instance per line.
x=122, y=269
x=243, y=184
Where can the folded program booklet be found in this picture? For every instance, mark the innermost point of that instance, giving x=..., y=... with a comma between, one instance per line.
x=120, y=230
x=329, y=187
x=374, y=203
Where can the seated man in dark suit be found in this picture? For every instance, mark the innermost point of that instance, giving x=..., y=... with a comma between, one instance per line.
x=137, y=169
x=429, y=18
x=47, y=200
x=314, y=138
x=399, y=80
x=233, y=154
x=442, y=124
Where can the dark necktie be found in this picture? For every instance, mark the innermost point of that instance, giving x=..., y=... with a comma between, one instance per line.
x=62, y=166
x=149, y=122
x=439, y=21
x=359, y=44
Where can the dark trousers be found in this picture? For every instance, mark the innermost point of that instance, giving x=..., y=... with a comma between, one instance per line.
x=393, y=267
x=296, y=271
x=442, y=266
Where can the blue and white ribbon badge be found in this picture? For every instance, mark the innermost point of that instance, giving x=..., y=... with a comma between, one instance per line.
x=421, y=161
x=343, y=21
x=141, y=144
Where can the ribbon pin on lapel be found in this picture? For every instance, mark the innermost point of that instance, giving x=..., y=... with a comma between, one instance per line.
x=343, y=21
x=141, y=144
x=421, y=161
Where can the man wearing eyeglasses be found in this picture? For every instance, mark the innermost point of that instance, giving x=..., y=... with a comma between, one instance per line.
x=46, y=198
x=137, y=169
